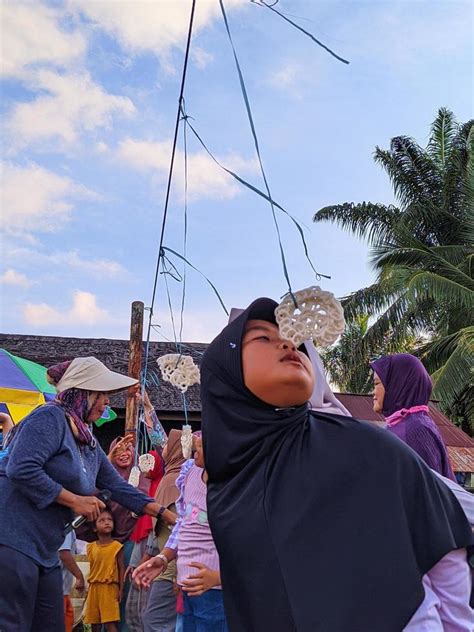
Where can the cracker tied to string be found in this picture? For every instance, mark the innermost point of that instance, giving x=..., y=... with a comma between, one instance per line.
x=134, y=476
x=146, y=463
x=187, y=441
x=318, y=316
x=180, y=370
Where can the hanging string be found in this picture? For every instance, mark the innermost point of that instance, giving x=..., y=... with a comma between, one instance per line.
x=261, y=3
x=168, y=189
x=185, y=232
x=257, y=149
x=259, y=192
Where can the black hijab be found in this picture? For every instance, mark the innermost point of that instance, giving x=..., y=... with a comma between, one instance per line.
x=322, y=523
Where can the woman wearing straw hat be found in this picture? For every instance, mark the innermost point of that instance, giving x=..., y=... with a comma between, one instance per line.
x=52, y=470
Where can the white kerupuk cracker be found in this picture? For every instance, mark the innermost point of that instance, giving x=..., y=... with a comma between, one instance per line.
x=319, y=317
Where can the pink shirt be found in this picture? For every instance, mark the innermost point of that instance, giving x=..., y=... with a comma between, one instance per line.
x=447, y=591
x=195, y=543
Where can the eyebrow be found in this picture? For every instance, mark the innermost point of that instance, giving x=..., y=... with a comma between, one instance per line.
x=257, y=327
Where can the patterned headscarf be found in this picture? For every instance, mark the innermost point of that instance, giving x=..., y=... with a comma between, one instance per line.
x=76, y=404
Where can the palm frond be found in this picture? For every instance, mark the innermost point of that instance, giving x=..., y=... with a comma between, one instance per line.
x=371, y=221
x=443, y=131
x=456, y=373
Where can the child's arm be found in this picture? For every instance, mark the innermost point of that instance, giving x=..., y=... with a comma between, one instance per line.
x=121, y=571
x=144, y=574
x=67, y=558
x=205, y=579
x=451, y=582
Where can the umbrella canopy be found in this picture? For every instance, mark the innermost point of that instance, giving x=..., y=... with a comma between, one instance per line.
x=23, y=387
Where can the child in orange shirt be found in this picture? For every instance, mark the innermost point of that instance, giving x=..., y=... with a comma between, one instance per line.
x=105, y=576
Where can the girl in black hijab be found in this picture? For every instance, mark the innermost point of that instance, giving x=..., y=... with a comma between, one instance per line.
x=322, y=523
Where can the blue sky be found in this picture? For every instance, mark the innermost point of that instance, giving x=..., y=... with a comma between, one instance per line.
x=89, y=95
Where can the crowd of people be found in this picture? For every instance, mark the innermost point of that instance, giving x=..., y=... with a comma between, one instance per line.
x=290, y=516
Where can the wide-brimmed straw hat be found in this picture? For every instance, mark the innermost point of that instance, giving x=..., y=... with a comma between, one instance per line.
x=90, y=374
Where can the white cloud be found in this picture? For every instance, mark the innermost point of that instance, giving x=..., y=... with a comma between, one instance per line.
x=286, y=77
x=12, y=277
x=34, y=199
x=73, y=104
x=291, y=78
x=101, y=147
x=205, y=178
x=31, y=35
x=201, y=57
x=150, y=26
x=84, y=311
x=102, y=268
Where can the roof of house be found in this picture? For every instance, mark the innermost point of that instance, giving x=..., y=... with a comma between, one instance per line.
x=460, y=445
x=48, y=350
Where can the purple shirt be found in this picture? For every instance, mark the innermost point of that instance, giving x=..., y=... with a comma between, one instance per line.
x=191, y=534
x=447, y=591
x=419, y=431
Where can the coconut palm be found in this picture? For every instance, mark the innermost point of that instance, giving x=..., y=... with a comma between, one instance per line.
x=422, y=251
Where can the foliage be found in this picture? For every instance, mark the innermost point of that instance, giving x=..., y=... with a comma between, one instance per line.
x=423, y=253
x=347, y=362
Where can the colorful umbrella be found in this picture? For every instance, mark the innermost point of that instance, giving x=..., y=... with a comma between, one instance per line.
x=23, y=387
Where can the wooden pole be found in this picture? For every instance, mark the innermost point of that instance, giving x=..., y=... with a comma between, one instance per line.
x=134, y=361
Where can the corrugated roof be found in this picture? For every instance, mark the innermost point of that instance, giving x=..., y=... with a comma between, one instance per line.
x=460, y=445
x=462, y=459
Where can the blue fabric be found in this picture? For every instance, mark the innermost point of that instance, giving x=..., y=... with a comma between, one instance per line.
x=204, y=613
x=43, y=459
x=31, y=598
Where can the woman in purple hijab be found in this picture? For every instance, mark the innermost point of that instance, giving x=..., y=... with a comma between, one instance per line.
x=402, y=389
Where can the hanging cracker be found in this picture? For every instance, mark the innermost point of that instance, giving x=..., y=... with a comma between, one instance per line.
x=318, y=317
x=146, y=463
x=187, y=441
x=180, y=370
x=134, y=476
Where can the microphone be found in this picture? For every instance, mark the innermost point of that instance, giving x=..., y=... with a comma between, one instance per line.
x=104, y=495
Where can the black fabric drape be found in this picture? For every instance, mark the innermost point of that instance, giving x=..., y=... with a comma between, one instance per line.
x=322, y=523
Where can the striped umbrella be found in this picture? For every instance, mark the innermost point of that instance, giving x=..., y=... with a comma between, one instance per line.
x=23, y=387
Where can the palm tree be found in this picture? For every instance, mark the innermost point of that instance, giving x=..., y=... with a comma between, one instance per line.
x=422, y=251
x=347, y=362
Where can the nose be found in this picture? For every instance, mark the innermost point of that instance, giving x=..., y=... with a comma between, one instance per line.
x=286, y=345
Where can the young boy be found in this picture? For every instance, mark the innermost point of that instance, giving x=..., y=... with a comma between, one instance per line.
x=105, y=576
x=192, y=544
x=70, y=571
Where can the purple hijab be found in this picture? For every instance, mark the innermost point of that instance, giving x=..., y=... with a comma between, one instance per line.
x=407, y=384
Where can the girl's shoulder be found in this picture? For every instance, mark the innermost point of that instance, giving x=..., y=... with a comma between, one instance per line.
x=363, y=436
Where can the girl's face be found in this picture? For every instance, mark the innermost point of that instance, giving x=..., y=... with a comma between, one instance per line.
x=125, y=458
x=378, y=394
x=104, y=524
x=274, y=370
x=100, y=401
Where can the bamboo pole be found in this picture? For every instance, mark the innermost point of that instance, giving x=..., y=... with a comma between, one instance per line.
x=135, y=349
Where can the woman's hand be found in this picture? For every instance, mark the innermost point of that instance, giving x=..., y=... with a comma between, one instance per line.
x=88, y=506
x=153, y=509
x=144, y=574
x=205, y=579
